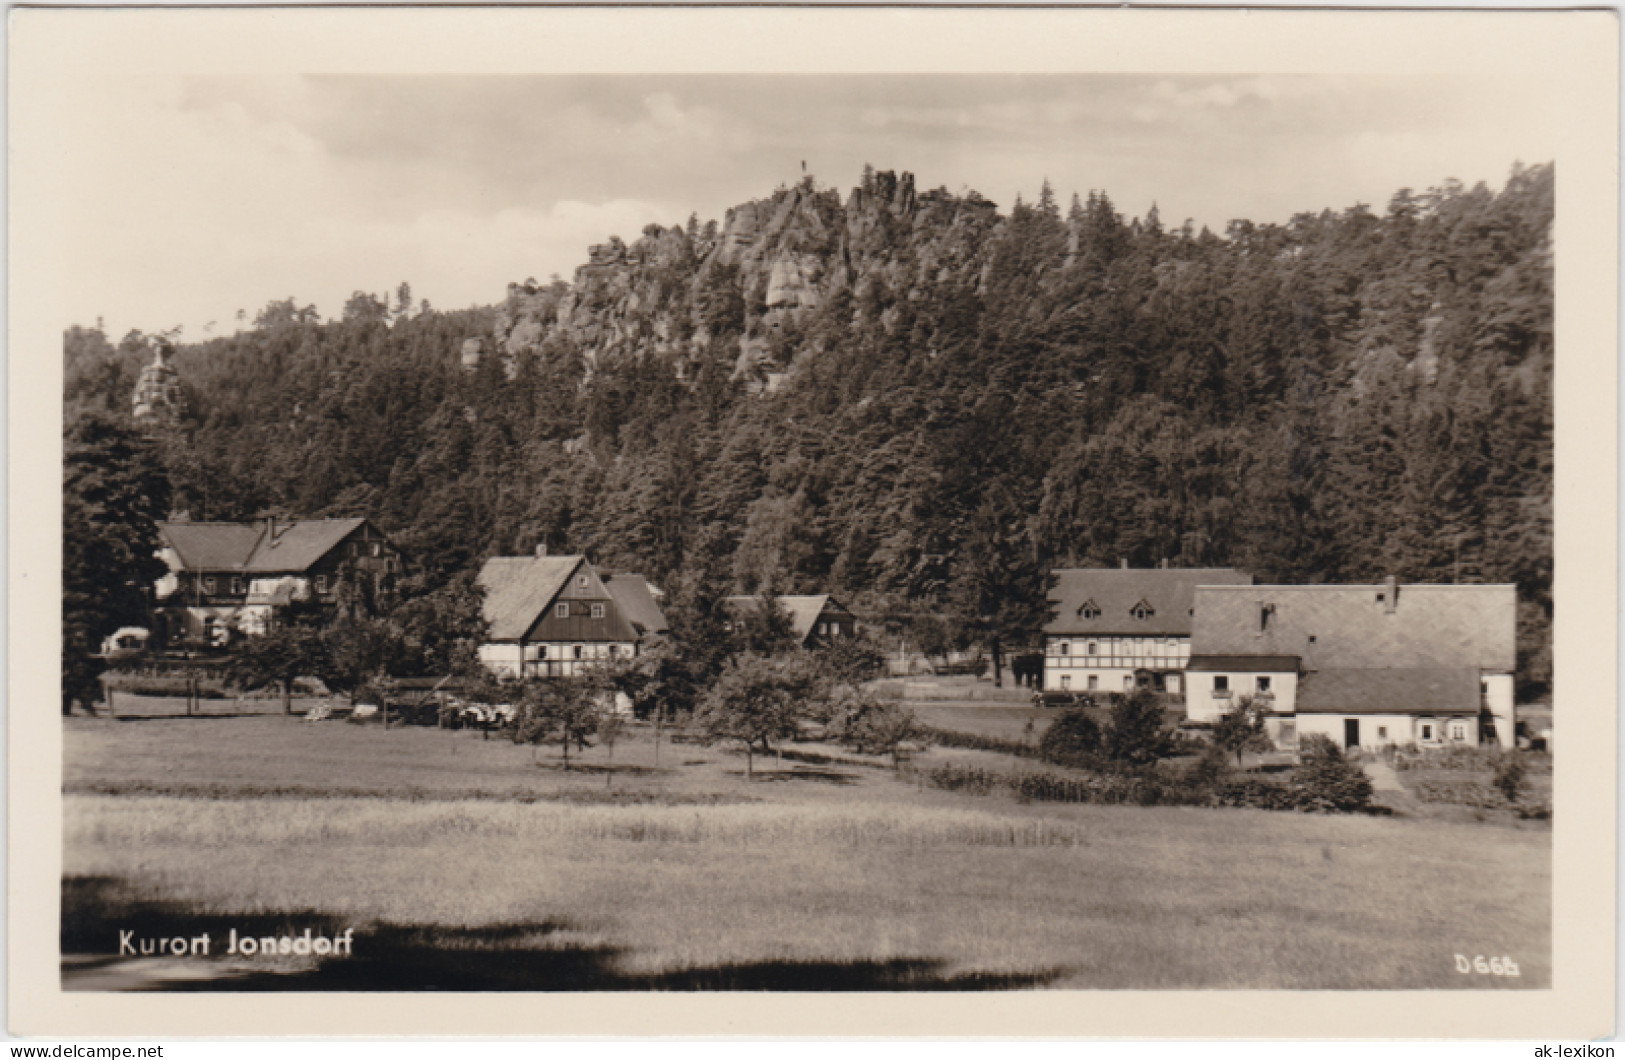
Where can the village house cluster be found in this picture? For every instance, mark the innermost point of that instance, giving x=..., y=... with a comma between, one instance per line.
x=1365, y=665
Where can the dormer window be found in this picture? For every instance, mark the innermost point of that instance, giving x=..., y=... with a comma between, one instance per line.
x=1142, y=611
x=1090, y=609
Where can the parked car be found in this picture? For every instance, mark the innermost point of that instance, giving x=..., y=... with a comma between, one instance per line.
x=1055, y=699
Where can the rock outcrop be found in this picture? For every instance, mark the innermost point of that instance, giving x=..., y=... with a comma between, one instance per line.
x=744, y=294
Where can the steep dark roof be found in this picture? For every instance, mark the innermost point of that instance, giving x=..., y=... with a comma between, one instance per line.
x=1263, y=664
x=301, y=544
x=1432, y=690
x=247, y=547
x=803, y=610
x=636, y=602
x=211, y=546
x=519, y=588
x=1346, y=626
x=1116, y=593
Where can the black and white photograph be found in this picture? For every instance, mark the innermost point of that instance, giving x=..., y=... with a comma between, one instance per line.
x=702, y=529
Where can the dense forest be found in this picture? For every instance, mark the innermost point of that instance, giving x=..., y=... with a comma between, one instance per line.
x=923, y=403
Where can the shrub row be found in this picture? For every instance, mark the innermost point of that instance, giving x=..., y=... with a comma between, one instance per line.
x=1149, y=787
x=970, y=741
x=1467, y=759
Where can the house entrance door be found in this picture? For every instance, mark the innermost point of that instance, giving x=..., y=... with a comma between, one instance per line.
x=1351, y=732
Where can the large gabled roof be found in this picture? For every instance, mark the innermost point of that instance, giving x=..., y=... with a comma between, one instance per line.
x=1432, y=690
x=636, y=602
x=1355, y=627
x=519, y=588
x=211, y=546
x=301, y=544
x=803, y=610
x=1116, y=592
x=250, y=548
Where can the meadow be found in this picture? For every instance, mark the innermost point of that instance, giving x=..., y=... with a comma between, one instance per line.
x=465, y=863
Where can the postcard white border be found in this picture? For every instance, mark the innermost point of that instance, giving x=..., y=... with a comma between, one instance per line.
x=1573, y=52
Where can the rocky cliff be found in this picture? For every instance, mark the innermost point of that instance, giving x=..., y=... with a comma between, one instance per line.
x=735, y=294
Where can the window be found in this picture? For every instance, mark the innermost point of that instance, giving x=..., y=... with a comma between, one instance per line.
x=541, y=651
x=823, y=629
x=1128, y=682
x=1094, y=682
x=208, y=585
x=1382, y=732
x=581, y=582
x=321, y=583
x=835, y=629
x=598, y=610
x=1092, y=647
x=614, y=650
x=561, y=610
x=355, y=549
x=578, y=651
x=376, y=548
x=1063, y=648
x=236, y=587
x=1066, y=682
x=1263, y=684
x=1221, y=682
x=1458, y=730
x=1427, y=730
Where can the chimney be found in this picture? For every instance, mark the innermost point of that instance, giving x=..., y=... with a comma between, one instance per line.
x=1123, y=562
x=541, y=550
x=270, y=529
x=1390, y=594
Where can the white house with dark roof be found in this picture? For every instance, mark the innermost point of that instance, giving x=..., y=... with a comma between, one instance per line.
x=235, y=576
x=1116, y=629
x=554, y=616
x=1366, y=665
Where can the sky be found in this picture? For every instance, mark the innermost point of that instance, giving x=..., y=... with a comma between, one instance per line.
x=190, y=198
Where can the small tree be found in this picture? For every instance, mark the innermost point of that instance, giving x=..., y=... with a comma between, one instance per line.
x=875, y=726
x=1073, y=734
x=1242, y=728
x=1327, y=781
x=610, y=727
x=278, y=657
x=561, y=709
x=757, y=700
x=852, y=661
x=1136, y=734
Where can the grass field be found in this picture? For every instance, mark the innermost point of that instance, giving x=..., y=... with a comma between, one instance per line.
x=830, y=873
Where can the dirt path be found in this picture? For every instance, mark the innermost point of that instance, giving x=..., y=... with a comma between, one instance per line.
x=1383, y=777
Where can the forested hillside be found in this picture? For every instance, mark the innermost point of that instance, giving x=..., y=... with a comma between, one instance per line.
x=923, y=401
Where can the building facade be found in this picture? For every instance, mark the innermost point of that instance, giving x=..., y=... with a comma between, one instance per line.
x=1115, y=630
x=231, y=579
x=1365, y=665
x=557, y=616
x=814, y=620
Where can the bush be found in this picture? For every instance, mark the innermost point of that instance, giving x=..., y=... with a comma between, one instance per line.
x=1072, y=734
x=1136, y=734
x=1457, y=790
x=1325, y=781
x=1509, y=775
